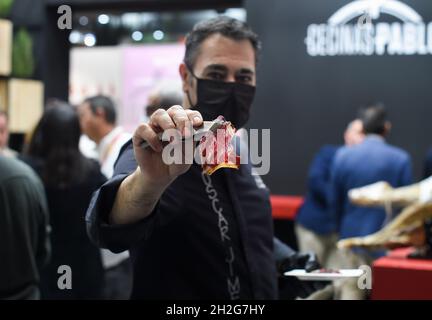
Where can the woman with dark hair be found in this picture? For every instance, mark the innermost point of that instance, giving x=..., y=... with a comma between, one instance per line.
x=69, y=179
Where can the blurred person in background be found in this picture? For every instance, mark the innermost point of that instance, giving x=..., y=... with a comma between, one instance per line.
x=4, y=136
x=315, y=225
x=164, y=95
x=69, y=180
x=98, y=121
x=371, y=161
x=24, y=231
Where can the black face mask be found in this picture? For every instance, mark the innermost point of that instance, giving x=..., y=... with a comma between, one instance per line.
x=232, y=100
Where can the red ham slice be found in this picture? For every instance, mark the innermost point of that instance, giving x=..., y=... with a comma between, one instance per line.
x=216, y=149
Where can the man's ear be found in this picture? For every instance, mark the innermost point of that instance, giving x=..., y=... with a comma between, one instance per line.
x=387, y=127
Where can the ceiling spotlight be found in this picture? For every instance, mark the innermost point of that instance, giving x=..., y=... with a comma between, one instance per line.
x=137, y=36
x=158, y=35
x=83, y=20
x=103, y=19
x=75, y=37
x=89, y=40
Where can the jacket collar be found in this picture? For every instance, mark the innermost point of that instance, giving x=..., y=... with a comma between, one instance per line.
x=374, y=137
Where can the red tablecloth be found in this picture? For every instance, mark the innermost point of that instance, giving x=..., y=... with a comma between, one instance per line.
x=396, y=277
x=285, y=207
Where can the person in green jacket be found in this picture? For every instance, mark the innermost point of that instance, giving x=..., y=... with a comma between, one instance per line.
x=24, y=230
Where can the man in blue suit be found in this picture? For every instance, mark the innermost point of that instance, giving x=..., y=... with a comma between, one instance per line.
x=315, y=225
x=371, y=161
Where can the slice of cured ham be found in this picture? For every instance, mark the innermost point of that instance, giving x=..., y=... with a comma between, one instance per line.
x=217, y=150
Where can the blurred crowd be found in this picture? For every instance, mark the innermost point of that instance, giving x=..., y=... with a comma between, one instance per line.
x=45, y=191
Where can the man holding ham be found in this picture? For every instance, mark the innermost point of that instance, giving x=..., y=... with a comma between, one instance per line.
x=191, y=235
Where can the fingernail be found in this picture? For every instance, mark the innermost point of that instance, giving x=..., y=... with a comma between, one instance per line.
x=197, y=120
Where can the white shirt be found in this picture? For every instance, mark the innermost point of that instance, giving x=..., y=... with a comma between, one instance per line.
x=88, y=147
x=108, y=151
x=109, y=148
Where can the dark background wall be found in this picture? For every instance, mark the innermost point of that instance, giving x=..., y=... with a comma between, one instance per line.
x=307, y=101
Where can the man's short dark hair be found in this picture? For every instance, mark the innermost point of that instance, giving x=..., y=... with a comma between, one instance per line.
x=4, y=114
x=104, y=103
x=228, y=27
x=374, y=119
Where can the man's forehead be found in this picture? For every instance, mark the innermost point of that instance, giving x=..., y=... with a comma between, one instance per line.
x=218, y=50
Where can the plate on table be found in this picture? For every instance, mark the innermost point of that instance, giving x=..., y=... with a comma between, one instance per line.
x=324, y=274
